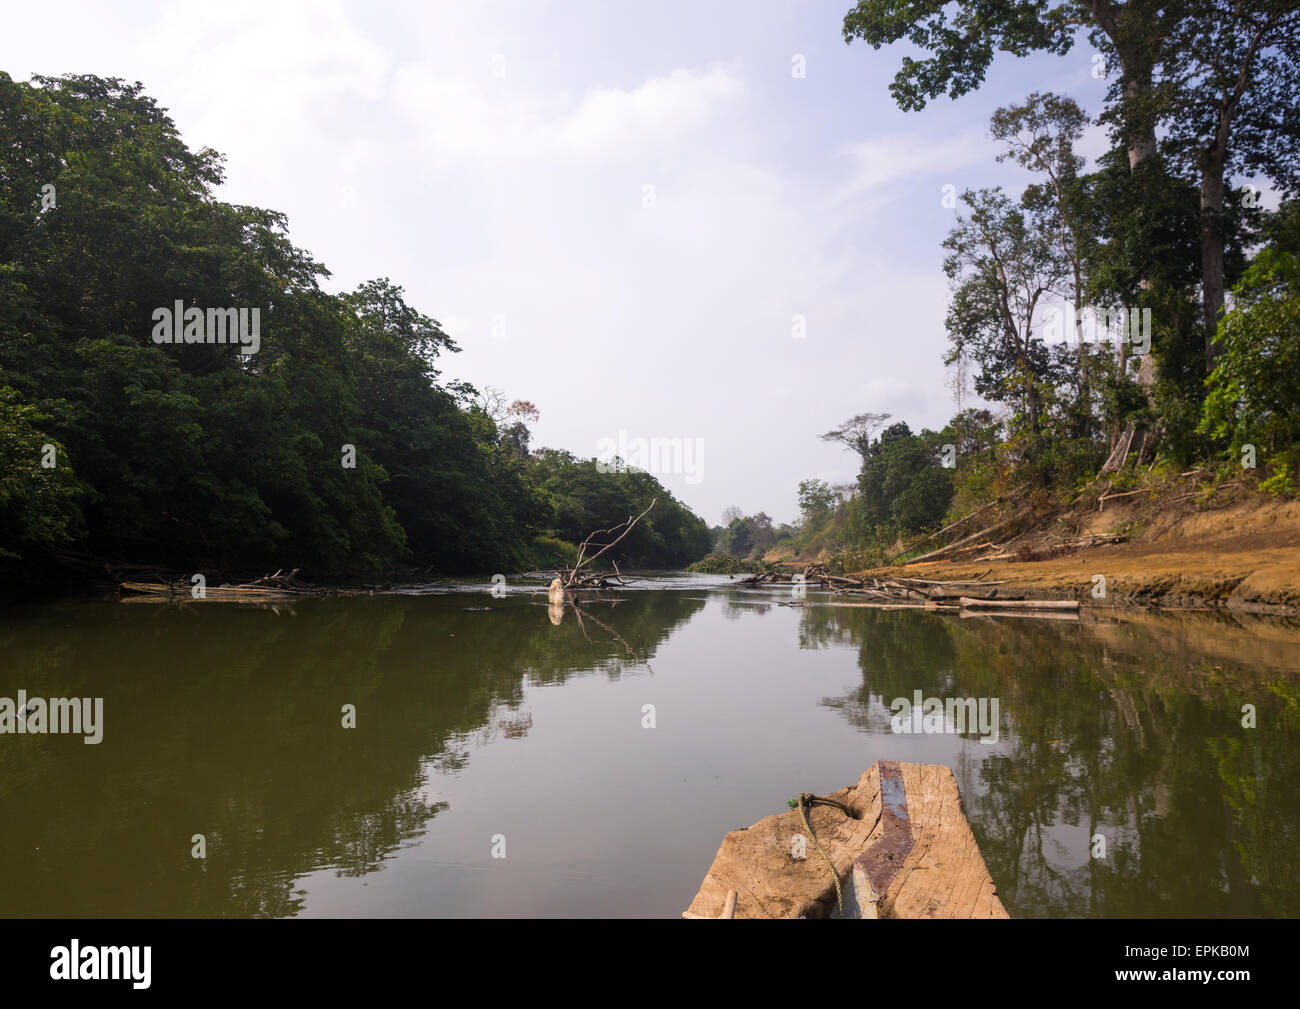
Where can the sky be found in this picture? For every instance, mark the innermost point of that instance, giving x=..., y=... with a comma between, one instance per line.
x=641, y=218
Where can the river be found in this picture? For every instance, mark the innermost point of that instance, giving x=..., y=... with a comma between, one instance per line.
x=504, y=764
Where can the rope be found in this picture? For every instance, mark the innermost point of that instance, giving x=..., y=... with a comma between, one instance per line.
x=807, y=799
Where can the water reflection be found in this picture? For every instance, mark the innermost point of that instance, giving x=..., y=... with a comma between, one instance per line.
x=226, y=721
x=470, y=711
x=1126, y=737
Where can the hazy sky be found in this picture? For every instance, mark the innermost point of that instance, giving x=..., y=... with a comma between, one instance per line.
x=493, y=158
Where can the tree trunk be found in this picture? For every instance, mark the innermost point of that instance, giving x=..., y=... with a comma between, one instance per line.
x=1140, y=134
x=1212, y=198
x=1211, y=261
x=1129, y=30
x=1142, y=143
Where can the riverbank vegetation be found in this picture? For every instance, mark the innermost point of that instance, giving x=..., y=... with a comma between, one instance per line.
x=1122, y=325
x=727, y=564
x=336, y=447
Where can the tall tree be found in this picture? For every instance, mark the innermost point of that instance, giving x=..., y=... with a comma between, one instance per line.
x=962, y=38
x=1230, y=94
x=1039, y=134
x=1003, y=262
x=856, y=432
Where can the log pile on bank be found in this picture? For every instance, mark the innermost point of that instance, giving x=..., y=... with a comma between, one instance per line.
x=930, y=593
x=893, y=590
x=269, y=588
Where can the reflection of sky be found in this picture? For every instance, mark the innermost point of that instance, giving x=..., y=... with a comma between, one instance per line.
x=478, y=718
x=604, y=817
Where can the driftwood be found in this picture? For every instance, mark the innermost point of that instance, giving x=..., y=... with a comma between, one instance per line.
x=950, y=526
x=1071, y=615
x=277, y=586
x=813, y=574
x=906, y=592
x=1011, y=498
x=1101, y=501
x=968, y=602
x=569, y=582
x=964, y=541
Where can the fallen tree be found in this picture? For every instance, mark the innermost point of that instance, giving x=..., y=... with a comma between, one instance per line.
x=963, y=542
x=276, y=586
x=571, y=579
x=913, y=591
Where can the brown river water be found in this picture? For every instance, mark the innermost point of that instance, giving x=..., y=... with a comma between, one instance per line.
x=483, y=728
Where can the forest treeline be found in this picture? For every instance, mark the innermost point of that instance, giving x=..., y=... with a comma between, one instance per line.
x=335, y=447
x=1128, y=322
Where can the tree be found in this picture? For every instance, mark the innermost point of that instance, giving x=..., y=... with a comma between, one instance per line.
x=816, y=500
x=961, y=39
x=1254, y=396
x=1003, y=262
x=902, y=486
x=1139, y=239
x=738, y=538
x=1230, y=89
x=40, y=497
x=1039, y=135
x=334, y=447
x=1220, y=75
x=583, y=499
x=521, y=413
x=856, y=432
x=764, y=532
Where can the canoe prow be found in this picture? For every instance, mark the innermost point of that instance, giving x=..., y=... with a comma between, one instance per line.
x=904, y=850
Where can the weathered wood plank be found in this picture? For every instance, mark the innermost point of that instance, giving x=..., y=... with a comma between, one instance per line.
x=757, y=862
x=944, y=875
x=1019, y=604
x=909, y=838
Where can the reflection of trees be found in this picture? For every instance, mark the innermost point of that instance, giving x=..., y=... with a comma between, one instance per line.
x=1251, y=790
x=739, y=603
x=226, y=721
x=1131, y=729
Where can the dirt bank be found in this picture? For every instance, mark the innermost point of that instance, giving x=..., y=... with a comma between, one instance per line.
x=1240, y=553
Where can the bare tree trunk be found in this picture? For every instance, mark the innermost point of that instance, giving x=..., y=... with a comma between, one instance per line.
x=1211, y=258
x=1128, y=28
x=1142, y=143
x=1212, y=199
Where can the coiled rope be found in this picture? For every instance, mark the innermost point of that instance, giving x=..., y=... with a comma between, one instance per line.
x=805, y=802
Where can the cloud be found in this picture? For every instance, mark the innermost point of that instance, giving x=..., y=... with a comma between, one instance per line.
x=883, y=161
x=491, y=159
x=485, y=118
x=661, y=108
